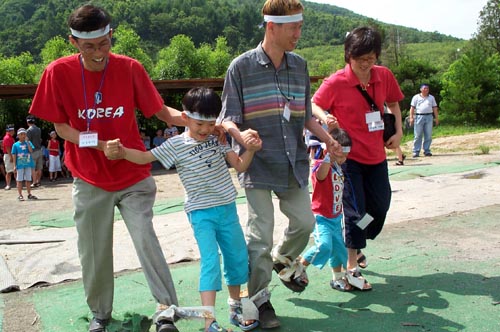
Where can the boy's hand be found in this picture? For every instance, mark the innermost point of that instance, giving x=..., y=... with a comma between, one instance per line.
x=220, y=133
x=251, y=137
x=254, y=144
x=113, y=149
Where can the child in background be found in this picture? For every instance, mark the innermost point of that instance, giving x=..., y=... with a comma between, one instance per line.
x=328, y=184
x=23, y=163
x=210, y=205
x=54, y=158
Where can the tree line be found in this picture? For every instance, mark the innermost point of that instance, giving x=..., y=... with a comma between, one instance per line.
x=198, y=38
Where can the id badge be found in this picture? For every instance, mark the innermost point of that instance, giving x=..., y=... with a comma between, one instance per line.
x=88, y=139
x=286, y=112
x=374, y=121
x=365, y=221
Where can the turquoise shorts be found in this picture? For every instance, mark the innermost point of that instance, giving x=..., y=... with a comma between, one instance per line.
x=218, y=228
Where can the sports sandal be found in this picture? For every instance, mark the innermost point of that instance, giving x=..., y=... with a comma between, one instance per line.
x=165, y=326
x=297, y=283
x=362, y=262
x=341, y=285
x=356, y=279
x=215, y=327
x=20, y=198
x=236, y=318
x=32, y=197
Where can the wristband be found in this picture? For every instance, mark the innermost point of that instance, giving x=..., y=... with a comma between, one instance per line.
x=326, y=160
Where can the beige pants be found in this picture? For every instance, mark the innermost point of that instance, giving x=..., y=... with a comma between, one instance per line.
x=295, y=204
x=94, y=215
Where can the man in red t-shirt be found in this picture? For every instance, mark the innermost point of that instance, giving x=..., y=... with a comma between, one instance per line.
x=91, y=97
x=8, y=142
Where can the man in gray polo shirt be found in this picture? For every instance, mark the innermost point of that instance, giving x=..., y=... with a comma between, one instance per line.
x=268, y=89
x=423, y=113
x=35, y=137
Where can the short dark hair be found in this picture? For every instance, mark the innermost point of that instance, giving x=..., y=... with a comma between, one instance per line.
x=341, y=136
x=30, y=119
x=281, y=7
x=202, y=100
x=88, y=18
x=361, y=41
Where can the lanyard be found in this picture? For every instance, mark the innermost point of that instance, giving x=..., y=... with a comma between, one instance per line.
x=97, y=94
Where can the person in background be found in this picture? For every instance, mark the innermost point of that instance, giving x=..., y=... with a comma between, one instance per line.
x=328, y=183
x=115, y=86
x=400, y=155
x=171, y=131
x=267, y=89
x=23, y=162
x=145, y=139
x=2, y=164
x=159, y=138
x=398, y=151
x=7, y=143
x=210, y=199
x=46, y=156
x=54, y=156
x=423, y=113
x=35, y=137
x=367, y=198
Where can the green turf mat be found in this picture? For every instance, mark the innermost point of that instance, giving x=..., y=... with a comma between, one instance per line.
x=422, y=282
x=62, y=219
x=416, y=171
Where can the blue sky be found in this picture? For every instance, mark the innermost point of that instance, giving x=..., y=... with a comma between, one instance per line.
x=457, y=18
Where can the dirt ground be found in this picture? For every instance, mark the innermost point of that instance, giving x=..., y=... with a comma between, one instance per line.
x=18, y=310
x=56, y=196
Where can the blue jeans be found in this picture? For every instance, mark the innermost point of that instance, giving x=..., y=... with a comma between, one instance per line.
x=422, y=127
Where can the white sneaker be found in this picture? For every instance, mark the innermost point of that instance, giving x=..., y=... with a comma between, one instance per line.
x=7, y=188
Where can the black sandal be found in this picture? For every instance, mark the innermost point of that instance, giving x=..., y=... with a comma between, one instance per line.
x=362, y=262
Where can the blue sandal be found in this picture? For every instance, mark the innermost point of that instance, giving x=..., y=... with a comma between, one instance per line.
x=236, y=318
x=215, y=327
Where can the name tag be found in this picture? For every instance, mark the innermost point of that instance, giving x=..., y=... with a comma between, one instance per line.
x=365, y=221
x=374, y=121
x=286, y=112
x=88, y=139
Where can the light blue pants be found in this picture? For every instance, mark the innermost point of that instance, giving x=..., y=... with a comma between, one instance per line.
x=422, y=128
x=329, y=245
x=219, y=228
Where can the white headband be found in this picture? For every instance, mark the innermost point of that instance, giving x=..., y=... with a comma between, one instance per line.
x=345, y=149
x=283, y=18
x=91, y=34
x=198, y=116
